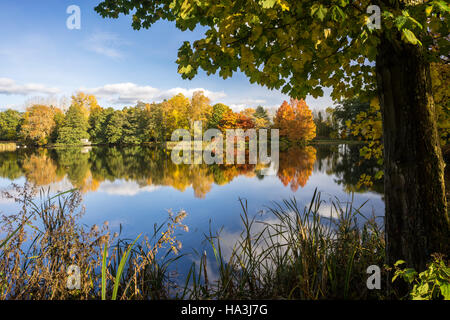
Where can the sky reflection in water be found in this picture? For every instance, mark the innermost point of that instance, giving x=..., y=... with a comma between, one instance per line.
x=134, y=187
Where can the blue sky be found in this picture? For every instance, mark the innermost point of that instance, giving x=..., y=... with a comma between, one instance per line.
x=40, y=56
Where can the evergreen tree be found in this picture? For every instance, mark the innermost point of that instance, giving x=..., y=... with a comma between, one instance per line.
x=132, y=126
x=113, y=130
x=97, y=119
x=75, y=126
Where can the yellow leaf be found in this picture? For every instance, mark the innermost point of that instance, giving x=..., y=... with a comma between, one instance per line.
x=284, y=5
x=317, y=43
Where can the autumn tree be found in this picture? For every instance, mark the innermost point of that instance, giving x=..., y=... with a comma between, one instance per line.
x=217, y=115
x=301, y=47
x=295, y=121
x=261, y=118
x=86, y=102
x=249, y=113
x=38, y=124
x=199, y=109
x=177, y=113
x=245, y=119
x=229, y=120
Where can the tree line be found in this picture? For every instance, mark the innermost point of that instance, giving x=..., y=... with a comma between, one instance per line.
x=145, y=122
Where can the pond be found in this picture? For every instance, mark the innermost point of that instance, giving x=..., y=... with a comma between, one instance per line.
x=134, y=187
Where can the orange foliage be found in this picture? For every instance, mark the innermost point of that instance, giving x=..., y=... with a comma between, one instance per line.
x=296, y=166
x=244, y=121
x=40, y=169
x=229, y=120
x=38, y=124
x=295, y=121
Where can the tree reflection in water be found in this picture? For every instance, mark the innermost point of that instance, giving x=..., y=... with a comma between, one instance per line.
x=87, y=169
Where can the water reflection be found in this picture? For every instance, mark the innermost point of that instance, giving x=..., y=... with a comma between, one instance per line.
x=296, y=166
x=87, y=169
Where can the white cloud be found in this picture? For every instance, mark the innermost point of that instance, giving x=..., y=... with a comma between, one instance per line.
x=105, y=43
x=130, y=93
x=124, y=188
x=10, y=87
x=246, y=103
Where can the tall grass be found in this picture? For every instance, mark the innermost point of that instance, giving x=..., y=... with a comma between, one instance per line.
x=296, y=255
x=290, y=252
x=46, y=237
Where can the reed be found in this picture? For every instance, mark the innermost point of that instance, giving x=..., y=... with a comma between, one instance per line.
x=296, y=255
x=288, y=252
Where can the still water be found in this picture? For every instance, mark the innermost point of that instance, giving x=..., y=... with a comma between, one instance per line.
x=134, y=187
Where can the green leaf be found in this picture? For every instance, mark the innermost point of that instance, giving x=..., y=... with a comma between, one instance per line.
x=399, y=262
x=415, y=22
x=442, y=6
x=314, y=9
x=410, y=37
x=337, y=13
x=379, y=174
x=423, y=289
x=267, y=4
x=409, y=275
x=445, y=290
x=4, y=242
x=105, y=250
x=124, y=259
x=321, y=12
x=400, y=21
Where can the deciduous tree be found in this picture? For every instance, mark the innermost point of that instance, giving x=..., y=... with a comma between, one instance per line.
x=217, y=115
x=38, y=124
x=295, y=121
x=9, y=124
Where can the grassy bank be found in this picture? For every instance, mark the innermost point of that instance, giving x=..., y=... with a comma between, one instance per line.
x=170, y=145
x=292, y=252
x=8, y=146
x=337, y=141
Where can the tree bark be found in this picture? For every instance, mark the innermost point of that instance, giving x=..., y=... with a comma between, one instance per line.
x=417, y=221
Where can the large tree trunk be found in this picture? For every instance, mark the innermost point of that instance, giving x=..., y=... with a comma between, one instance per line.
x=417, y=222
